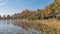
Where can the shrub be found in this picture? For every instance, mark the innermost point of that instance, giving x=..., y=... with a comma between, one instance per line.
x=31, y=18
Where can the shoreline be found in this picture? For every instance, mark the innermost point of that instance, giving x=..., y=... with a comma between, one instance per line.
x=50, y=26
x=40, y=25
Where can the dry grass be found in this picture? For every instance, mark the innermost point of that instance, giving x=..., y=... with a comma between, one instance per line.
x=51, y=26
x=50, y=22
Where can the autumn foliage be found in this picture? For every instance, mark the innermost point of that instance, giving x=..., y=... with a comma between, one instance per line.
x=51, y=11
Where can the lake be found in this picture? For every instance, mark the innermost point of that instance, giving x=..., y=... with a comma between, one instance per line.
x=6, y=27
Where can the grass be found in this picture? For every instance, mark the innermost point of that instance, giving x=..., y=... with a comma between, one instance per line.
x=51, y=26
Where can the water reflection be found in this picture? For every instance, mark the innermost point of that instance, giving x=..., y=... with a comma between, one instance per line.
x=6, y=27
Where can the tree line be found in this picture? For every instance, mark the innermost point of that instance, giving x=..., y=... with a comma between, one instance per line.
x=51, y=11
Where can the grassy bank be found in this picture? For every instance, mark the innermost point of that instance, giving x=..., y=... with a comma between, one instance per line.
x=50, y=26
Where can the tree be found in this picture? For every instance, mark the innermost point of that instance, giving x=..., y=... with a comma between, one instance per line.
x=38, y=14
x=31, y=18
x=8, y=16
x=4, y=17
x=0, y=17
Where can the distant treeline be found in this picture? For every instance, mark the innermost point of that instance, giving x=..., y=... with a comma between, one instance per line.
x=32, y=15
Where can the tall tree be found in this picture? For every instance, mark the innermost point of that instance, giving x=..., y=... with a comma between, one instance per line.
x=8, y=16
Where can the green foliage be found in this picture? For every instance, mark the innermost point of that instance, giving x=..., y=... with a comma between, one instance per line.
x=31, y=18
x=52, y=11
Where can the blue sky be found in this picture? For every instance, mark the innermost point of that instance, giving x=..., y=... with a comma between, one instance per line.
x=14, y=6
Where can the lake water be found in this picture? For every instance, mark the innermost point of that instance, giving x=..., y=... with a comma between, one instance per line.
x=6, y=27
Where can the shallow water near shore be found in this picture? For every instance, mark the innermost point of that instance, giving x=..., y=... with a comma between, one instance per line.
x=6, y=27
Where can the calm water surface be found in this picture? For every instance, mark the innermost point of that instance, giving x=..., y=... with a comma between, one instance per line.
x=6, y=27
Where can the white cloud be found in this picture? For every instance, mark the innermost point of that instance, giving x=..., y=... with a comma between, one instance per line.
x=2, y=3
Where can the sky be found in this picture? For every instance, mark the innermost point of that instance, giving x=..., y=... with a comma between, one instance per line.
x=9, y=7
